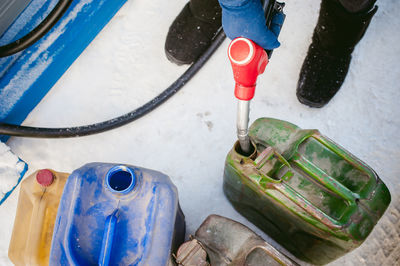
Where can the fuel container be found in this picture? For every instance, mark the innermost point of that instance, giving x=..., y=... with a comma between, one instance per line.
x=308, y=193
x=117, y=215
x=222, y=241
x=37, y=206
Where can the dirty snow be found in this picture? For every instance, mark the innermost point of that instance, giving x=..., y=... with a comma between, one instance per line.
x=188, y=137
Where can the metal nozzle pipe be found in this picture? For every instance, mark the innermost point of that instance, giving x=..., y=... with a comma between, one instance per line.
x=242, y=125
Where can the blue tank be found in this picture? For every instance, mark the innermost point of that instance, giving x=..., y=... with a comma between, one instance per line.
x=26, y=77
x=117, y=215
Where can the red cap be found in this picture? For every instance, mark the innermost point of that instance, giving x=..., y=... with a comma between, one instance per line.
x=248, y=61
x=45, y=177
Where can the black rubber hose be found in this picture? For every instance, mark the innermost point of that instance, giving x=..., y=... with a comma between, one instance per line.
x=39, y=132
x=38, y=32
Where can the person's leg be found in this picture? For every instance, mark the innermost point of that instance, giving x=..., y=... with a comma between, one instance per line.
x=341, y=25
x=192, y=31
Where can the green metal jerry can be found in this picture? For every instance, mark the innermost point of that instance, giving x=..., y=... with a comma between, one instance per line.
x=312, y=196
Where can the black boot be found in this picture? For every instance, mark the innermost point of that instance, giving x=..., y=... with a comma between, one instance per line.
x=192, y=31
x=329, y=55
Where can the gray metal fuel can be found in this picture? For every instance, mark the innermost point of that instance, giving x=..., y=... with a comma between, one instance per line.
x=220, y=241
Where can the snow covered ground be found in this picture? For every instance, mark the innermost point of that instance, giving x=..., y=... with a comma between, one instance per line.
x=189, y=136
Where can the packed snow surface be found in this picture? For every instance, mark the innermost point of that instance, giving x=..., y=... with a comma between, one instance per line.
x=189, y=136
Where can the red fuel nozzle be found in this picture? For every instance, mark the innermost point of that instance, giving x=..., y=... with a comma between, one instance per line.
x=248, y=61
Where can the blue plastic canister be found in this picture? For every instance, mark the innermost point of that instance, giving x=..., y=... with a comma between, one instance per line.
x=117, y=215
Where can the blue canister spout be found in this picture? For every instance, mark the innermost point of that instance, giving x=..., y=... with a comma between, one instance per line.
x=120, y=179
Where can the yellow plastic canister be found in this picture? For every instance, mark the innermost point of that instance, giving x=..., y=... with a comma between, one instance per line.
x=37, y=207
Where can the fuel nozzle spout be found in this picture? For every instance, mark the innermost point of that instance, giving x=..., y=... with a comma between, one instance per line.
x=242, y=124
x=248, y=60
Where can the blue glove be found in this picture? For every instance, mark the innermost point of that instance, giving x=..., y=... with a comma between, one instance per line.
x=245, y=18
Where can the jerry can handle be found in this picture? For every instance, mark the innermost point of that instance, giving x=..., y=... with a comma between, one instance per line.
x=276, y=255
x=342, y=152
x=38, y=211
x=267, y=154
x=108, y=237
x=330, y=182
x=303, y=203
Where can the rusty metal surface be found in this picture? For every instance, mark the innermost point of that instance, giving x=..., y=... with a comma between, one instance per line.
x=227, y=242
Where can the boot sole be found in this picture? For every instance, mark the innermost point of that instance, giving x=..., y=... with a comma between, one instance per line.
x=309, y=103
x=172, y=59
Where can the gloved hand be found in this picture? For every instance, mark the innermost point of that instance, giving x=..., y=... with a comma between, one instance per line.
x=245, y=18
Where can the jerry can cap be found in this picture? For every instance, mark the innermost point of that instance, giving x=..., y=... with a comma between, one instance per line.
x=45, y=177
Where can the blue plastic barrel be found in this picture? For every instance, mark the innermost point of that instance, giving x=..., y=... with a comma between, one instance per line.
x=117, y=215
